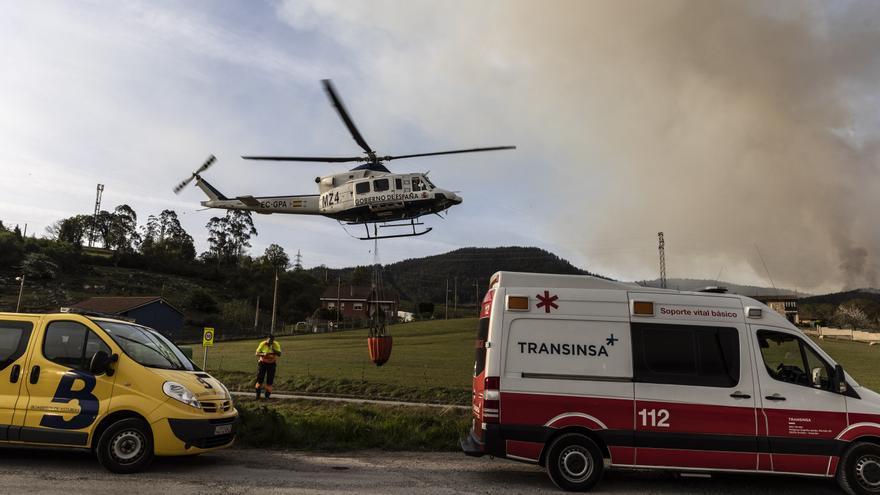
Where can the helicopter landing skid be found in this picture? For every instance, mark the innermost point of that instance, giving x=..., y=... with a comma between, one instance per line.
x=411, y=224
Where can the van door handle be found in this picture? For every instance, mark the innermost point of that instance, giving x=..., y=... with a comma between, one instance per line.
x=740, y=395
x=14, y=373
x=774, y=397
x=35, y=374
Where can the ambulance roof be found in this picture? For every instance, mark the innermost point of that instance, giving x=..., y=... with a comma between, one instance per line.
x=520, y=279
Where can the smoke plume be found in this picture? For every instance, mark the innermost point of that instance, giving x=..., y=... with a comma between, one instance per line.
x=729, y=125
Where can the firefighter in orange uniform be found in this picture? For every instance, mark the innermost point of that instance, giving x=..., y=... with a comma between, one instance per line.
x=267, y=352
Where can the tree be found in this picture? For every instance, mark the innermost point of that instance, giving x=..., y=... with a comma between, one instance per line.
x=164, y=237
x=11, y=250
x=74, y=229
x=276, y=258
x=229, y=235
x=121, y=233
x=361, y=276
x=201, y=300
x=851, y=314
x=39, y=266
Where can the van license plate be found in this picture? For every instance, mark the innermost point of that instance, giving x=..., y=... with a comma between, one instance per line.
x=223, y=430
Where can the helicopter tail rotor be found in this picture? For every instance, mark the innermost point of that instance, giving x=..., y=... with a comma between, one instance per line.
x=205, y=166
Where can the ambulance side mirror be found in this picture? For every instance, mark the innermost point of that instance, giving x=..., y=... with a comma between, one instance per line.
x=839, y=381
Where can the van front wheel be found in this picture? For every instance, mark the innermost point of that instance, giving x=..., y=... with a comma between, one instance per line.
x=859, y=471
x=126, y=446
x=574, y=463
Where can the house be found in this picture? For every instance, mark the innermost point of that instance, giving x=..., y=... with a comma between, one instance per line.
x=150, y=311
x=358, y=303
x=784, y=305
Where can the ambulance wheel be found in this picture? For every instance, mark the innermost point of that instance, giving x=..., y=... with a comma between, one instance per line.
x=126, y=446
x=859, y=471
x=575, y=463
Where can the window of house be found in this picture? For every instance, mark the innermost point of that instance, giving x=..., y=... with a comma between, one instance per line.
x=71, y=344
x=14, y=336
x=358, y=306
x=362, y=187
x=331, y=305
x=685, y=355
x=380, y=185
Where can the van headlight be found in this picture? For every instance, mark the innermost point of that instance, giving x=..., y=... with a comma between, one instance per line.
x=178, y=392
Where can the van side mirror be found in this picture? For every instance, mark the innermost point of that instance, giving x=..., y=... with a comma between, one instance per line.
x=100, y=363
x=839, y=380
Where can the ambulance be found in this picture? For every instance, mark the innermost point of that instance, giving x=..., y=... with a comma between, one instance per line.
x=120, y=389
x=580, y=374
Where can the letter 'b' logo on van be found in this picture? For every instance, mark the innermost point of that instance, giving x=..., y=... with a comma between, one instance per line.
x=65, y=393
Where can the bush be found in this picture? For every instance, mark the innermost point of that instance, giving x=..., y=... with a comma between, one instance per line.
x=201, y=300
x=11, y=250
x=39, y=266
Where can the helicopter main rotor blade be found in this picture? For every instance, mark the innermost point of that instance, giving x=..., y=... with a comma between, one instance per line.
x=343, y=113
x=326, y=159
x=452, y=152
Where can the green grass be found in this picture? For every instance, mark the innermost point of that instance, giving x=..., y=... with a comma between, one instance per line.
x=859, y=360
x=316, y=425
x=431, y=361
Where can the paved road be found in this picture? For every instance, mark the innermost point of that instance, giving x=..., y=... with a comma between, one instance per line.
x=241, y=471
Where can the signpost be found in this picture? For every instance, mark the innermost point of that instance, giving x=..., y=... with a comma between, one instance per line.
x=207, y=341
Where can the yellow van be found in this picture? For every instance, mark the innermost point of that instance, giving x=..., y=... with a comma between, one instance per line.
x=117, y=388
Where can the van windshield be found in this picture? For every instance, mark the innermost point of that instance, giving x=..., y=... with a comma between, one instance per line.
x=147, y=346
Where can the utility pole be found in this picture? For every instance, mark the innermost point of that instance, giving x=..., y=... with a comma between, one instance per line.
x=274, y=303
x=661, y=245
x=446, y=305
x=20, y=292
x=338, y=300
x=477, y=295
x=95, y=216
x=455, y=298
x=257, y=316
x=24, y=235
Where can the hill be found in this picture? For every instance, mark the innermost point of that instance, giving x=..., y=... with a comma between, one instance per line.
x=466, y=270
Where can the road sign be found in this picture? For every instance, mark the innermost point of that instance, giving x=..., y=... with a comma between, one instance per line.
x=208, y=337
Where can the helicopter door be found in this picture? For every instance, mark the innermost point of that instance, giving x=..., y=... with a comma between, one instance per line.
x=418, y=184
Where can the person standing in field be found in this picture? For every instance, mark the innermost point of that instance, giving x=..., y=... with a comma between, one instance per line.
x=267, y=352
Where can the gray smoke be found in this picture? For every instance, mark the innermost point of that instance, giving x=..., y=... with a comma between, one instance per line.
x=726, y=124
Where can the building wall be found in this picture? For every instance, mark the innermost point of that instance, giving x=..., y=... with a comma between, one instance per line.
x=160, y=317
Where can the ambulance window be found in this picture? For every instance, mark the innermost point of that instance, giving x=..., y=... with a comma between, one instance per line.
x=362, y=187
x=14, y=336
x=71, y=344
x=398, y=184
x=790, y=360
x=685, y=355
x=380, y=185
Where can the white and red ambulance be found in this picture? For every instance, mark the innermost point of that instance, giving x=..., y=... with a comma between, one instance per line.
x=579, y=374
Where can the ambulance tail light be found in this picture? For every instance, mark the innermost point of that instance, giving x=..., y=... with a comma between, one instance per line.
x=491, y=399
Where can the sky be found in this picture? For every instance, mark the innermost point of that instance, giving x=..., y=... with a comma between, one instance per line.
x=746, y=131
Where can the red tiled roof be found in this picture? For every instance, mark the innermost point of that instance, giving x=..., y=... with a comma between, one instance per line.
x=117, y=305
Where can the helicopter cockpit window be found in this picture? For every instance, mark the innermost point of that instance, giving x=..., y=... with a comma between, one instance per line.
x=362, y=187
x=430, y=184
x=380, y=185
x=417, y=184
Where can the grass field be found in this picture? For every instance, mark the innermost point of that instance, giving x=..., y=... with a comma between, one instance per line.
x=431, y=362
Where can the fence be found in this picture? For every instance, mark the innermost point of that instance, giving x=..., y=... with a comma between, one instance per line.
x=871, y=338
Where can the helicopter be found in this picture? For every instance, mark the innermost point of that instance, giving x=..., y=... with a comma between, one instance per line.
x=368, y=194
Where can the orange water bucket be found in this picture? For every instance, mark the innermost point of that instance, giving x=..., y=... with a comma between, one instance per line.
x=380, y=349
